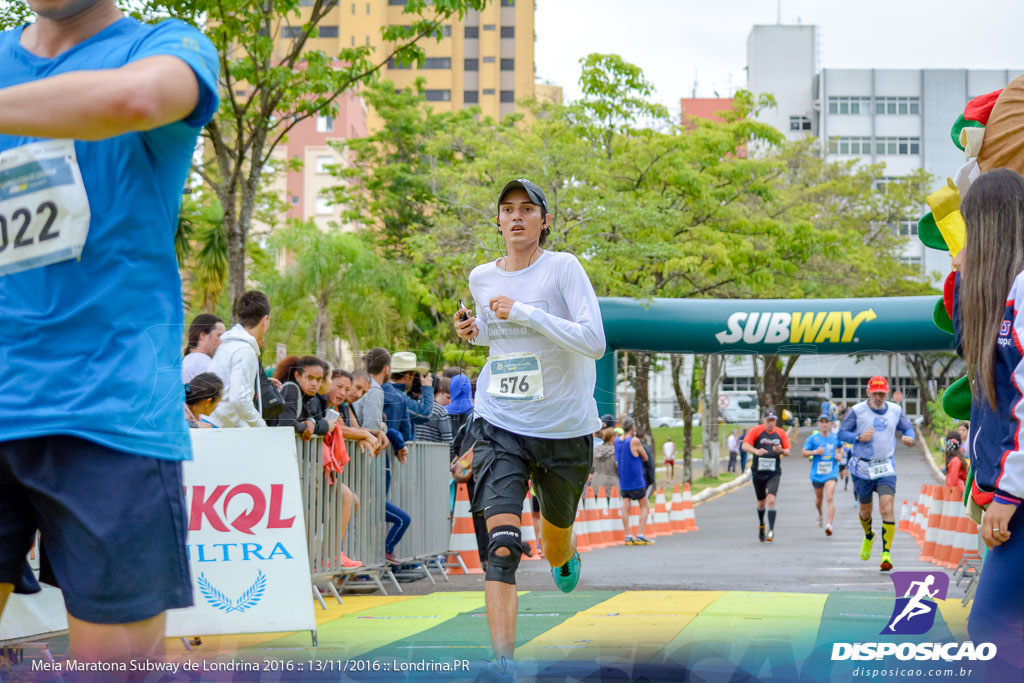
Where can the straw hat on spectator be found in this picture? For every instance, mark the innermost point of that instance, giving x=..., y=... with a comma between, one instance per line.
x=403, y=361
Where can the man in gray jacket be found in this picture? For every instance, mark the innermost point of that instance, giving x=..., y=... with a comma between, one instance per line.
x=236, y=362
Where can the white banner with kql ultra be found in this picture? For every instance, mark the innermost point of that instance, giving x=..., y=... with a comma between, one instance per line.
x=247, y=536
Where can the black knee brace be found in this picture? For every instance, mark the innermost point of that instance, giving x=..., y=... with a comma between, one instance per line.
x=503, y=567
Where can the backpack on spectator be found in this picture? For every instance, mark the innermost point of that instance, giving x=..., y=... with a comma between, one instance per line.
x=298, y=399
x=269, y=400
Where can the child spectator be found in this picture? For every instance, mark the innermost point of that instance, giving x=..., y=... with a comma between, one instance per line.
x=304, y=408
x=202, y=395
x=956, y=462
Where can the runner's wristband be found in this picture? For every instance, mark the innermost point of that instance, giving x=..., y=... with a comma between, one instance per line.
x=1005, y=498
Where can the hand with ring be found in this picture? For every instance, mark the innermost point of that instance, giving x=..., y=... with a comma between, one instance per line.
x=995, y=522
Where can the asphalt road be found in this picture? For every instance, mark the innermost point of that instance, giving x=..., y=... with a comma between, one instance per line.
x=725, y=554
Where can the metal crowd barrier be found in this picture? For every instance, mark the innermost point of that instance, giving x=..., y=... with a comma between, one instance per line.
x=322, y=503
x=421, y=488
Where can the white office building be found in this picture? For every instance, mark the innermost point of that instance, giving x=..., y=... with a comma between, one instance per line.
x=901, y=117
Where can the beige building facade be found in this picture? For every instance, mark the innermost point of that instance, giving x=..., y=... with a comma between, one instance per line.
x=484, y=59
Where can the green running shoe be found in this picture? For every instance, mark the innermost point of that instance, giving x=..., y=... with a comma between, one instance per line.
x=568, y=575
x=865, y=548
x=886, y=561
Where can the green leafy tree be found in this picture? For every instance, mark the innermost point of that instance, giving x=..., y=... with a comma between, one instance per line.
x=330, y=284
x=841, y=202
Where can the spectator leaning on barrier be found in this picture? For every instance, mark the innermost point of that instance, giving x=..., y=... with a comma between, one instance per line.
x=99, y=116
x=203, y=339
x=202, y=395
x=371, y=413
x=360, y=385
x=404, y=411
x=438, y=429
x=370, y=407
x=304, y=407
x=338, y=400
x=237, y=362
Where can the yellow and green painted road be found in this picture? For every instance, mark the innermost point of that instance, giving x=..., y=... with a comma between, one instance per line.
x=776, y=636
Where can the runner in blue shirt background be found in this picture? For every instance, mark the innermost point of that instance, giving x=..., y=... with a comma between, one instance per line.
x=824, y=449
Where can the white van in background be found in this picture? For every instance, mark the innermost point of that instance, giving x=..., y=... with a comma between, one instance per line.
x=738, y=406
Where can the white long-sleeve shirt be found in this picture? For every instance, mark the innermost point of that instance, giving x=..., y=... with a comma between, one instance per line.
x=557, y=318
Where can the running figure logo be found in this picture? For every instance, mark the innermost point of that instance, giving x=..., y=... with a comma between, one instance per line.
x=914, y=613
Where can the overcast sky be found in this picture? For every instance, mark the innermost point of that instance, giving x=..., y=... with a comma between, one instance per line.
x=671, y=40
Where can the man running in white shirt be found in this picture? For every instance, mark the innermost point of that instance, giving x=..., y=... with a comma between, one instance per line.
x=534, y=404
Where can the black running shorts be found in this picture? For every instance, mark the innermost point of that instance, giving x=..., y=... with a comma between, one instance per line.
x=503, y=462
x=765, y=485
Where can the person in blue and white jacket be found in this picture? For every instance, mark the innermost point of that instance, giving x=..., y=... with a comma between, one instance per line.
x=871, y=427
x=990, y=322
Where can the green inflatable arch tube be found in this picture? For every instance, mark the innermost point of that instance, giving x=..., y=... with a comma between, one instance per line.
x=758, y=326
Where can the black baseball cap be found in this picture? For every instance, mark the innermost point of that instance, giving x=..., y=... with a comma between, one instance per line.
x=536, y=194
x=770, y=415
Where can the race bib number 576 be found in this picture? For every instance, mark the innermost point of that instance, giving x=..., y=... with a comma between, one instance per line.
x=44, y=211
x=516, y=376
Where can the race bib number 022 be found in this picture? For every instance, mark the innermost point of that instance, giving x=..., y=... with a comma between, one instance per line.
x=44, y=210
x=516, y=376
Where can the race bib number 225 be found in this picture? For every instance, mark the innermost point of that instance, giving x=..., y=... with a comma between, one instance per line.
x=44, y=210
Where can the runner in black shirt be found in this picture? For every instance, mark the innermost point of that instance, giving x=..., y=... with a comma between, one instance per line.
x=767, y=444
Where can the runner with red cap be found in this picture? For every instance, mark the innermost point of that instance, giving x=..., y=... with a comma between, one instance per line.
x=871, y=427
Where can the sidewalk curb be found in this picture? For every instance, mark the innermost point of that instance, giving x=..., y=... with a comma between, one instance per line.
x=722, y=488
x=926, y=452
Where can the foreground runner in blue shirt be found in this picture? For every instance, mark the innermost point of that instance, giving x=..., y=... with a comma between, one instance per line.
x=824, y=450
x=99, y=116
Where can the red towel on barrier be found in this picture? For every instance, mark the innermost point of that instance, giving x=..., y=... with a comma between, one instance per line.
x=335, y=453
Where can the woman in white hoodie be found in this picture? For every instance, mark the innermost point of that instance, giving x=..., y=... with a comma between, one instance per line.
x=236, y=362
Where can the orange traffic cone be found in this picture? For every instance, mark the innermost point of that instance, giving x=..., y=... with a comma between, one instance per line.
x=615, y=512
x=661, y=525
x=947, y=529
x=931, y=534
x=904, y=523
x=690, y=520
x=676, y=518
x=529, y=534
x=592, y=518
x=604, y=513
x=581, y=529
x=463, y=538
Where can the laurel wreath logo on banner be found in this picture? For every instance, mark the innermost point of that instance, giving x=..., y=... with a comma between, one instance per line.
x=248, y=600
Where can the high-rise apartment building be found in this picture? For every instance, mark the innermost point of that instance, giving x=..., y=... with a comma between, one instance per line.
x=484, y=59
